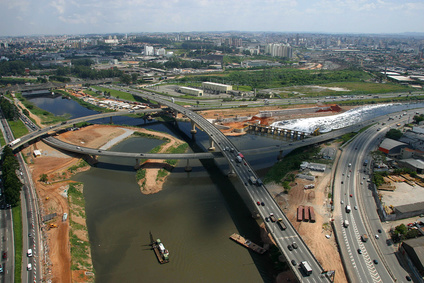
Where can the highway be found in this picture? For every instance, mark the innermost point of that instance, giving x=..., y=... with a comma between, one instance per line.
x=373, y=260
x=257, y=193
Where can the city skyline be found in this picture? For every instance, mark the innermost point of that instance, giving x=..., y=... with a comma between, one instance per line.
x=46, y=17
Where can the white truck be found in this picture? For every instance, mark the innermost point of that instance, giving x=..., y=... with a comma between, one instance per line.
x=306, y=267
x=346, y=223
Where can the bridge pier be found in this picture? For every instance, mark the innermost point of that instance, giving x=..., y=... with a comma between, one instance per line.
x=280, y=155
x=137, y=164
x=231, y=173
x=212, y=145
x=111, y=120
x=193, y=128
x=188, y=167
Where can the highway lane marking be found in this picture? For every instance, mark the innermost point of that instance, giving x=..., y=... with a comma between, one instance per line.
x=370, y=266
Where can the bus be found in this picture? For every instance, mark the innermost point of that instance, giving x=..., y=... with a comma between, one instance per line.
x=306, y=267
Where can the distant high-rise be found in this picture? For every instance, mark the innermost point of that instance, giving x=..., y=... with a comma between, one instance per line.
x=279, y=50
x=148, y=50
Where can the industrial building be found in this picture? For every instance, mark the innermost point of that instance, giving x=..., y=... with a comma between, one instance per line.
x=216, y=87
x=191, y=91
x=391, y=147
x=414, y=248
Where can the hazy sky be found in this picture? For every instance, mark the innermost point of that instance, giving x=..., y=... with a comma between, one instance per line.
x=28, y=17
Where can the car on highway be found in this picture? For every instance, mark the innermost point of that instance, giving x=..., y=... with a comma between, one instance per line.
x=375, y=261
x=293, y=262
x=29, y=266
x=359, y=251
x=1, y=268
x=258, y=203
x=377, y=236
x=351, y=195
x=266, y=219
x=294, y=245
x=379, y=230
x=4, y=255
x=408, y=278
x=290, y=247
x=355, y=207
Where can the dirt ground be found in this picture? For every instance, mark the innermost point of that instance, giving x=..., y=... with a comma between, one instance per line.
x=325, y=250
x=55, y=163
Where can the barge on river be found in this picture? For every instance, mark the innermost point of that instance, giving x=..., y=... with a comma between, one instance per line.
x=247, y=243
x=161, y=252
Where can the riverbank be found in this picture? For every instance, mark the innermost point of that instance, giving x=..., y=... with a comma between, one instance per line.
x=58, y=168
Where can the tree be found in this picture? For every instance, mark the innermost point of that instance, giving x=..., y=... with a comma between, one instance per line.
x=134, y=77
x=417, y=119
x=125, y=79
x=394, y=134
x=401, y=229
x=43, y=178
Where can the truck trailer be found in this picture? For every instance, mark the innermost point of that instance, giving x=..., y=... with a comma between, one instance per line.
x=311, y=214
x=306, y=213
x=300, y=213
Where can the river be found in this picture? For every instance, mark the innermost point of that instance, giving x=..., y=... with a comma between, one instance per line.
x=194, y=215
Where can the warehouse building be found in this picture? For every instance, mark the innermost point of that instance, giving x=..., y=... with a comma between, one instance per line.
x=216, y=87
x=191, y=91
x=391, y=147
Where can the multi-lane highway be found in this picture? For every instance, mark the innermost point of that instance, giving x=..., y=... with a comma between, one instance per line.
x=373, y=260
x=256, y=193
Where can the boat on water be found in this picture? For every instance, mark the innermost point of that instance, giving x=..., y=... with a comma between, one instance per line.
x=161, y=252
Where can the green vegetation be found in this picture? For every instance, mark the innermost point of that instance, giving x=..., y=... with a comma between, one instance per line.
x=278, y=77
x=174, y=150
x=402, y=232
x=17, y=234
x=162, y=173
x=82, y=163
x=289, y=163
x=394, y=134
x=116, y=93
x=80, y=248
x=353, y=88
x=83, y=103
x=141, y=174
x=417, y=119
x=45, y=116
x=11, y=183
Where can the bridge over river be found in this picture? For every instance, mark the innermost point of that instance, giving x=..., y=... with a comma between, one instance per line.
x=256, y=191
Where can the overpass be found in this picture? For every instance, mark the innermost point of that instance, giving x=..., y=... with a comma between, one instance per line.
x=256, y=192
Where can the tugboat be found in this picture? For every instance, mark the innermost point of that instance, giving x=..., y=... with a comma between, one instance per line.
x=161, y=253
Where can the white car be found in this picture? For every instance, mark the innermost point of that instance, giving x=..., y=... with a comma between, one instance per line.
x=29, y=266
x=355, y=207
x=377, y=236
